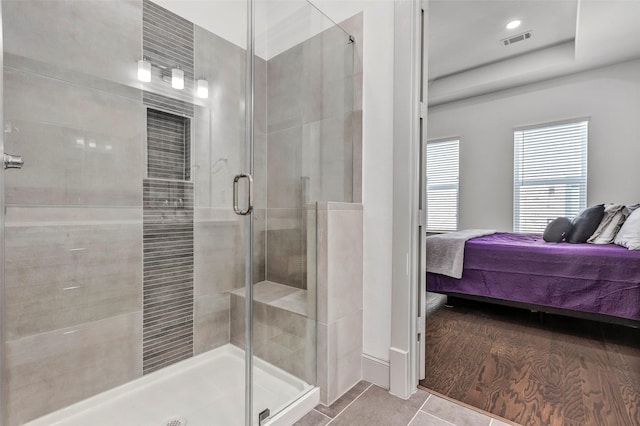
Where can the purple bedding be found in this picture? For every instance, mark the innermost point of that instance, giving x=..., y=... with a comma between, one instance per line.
x=603, y=279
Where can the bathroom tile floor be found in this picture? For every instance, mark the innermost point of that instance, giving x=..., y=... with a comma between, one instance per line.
x=368, y=404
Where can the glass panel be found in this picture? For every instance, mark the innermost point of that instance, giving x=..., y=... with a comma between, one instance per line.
x=124, y=260
x=303, y=150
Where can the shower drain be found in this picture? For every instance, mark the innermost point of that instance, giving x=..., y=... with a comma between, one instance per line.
x=176, y=421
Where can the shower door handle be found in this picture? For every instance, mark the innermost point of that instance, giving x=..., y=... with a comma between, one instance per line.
x=236, y=179
x=12, y=161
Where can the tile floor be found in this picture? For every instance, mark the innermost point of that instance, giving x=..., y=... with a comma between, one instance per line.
x=367, y=404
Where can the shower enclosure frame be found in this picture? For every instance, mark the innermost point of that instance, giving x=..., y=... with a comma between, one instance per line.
x=3, y=393
x=248, y=255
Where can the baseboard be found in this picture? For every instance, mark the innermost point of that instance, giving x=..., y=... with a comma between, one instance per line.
x=375, y=371
x=401, y=384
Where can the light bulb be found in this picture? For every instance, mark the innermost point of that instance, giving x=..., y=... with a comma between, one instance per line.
x=177, y=78
x=202, y=90
x=144, y=70
x=513, y=24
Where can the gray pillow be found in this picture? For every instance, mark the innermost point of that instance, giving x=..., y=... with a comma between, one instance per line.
x=557, y=230
x=585, y=224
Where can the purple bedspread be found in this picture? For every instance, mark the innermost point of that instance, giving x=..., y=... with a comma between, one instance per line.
x=603, y=279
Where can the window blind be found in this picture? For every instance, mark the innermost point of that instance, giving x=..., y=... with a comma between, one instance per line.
x=550, y=174
x=442, y=185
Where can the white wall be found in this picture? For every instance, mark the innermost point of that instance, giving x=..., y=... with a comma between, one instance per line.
x=377, y=168
x=609, y=95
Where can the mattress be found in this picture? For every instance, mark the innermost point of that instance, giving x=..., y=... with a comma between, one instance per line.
x=601, y=279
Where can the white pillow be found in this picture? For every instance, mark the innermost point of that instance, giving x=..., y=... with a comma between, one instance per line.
x=629, y=234
x=613, y=219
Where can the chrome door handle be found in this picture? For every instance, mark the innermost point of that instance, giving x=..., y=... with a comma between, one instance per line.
x=236, y=209
x=12, y=161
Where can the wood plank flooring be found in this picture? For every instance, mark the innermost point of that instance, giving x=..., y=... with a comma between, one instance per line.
x=560, y=371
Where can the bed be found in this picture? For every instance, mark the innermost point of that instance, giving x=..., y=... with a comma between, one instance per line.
x=599, y=282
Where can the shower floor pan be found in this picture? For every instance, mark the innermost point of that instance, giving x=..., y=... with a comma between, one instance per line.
x=205, y=390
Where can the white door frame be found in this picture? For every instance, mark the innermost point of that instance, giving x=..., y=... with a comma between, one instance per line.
x=408, y=215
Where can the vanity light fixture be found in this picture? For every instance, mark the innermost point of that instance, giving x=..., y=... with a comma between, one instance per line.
x=177, y=78
x=513, y=24
x=144, y=70
x=202, y=88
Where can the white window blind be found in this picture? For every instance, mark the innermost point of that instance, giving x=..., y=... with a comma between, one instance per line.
x=442, y=185
x=550, y=174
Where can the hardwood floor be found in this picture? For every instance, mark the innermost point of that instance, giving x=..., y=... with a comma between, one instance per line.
x=562, y=371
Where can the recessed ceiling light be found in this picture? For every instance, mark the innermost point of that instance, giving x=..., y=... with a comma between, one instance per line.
x=513, y=24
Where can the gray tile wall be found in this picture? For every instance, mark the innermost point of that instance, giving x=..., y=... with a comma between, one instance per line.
x=281, y=337
x=311, y=125
x=73, y=235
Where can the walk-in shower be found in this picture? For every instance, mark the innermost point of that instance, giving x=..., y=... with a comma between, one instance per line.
x=133, y=293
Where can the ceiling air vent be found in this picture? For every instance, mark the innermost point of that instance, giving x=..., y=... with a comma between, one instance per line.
x=516, y=38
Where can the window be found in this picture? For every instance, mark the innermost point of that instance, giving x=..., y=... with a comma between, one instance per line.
x=442, y=185
x=550, y=174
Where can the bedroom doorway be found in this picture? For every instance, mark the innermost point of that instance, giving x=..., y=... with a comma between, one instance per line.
x=524, y=366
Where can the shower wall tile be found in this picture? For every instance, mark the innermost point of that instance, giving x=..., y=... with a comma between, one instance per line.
x=222, y=64
x=201, y=167
x=340, y=298
x=68, y=151
x=100, y=39
x=284, y=85
x=218, y=256
x=286, y=247
x=340, y=260
x=61, y=274
x=218, y=156
x=167, y=42
x=280, y=337
x=168, y=273
x=32, y=97
x=49, y=371
x=356, y=124
x=339, y=356
x=259, y=245
x=327, y=75
x=284, y=169
x=354, y=26
x=211, y=322
x=227, y=160
x=326, y=158
x=260, y=165
x=168, y=146
x=260, y=95
x=324, y=99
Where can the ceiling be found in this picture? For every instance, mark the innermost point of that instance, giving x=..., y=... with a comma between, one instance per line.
x=467, y=57
x=279, y=24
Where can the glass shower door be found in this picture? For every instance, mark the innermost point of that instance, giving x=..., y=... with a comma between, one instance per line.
x=121, y=247
x=303, y=154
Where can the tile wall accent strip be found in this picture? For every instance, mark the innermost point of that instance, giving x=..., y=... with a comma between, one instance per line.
x=167, y=42
x=168, y=273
